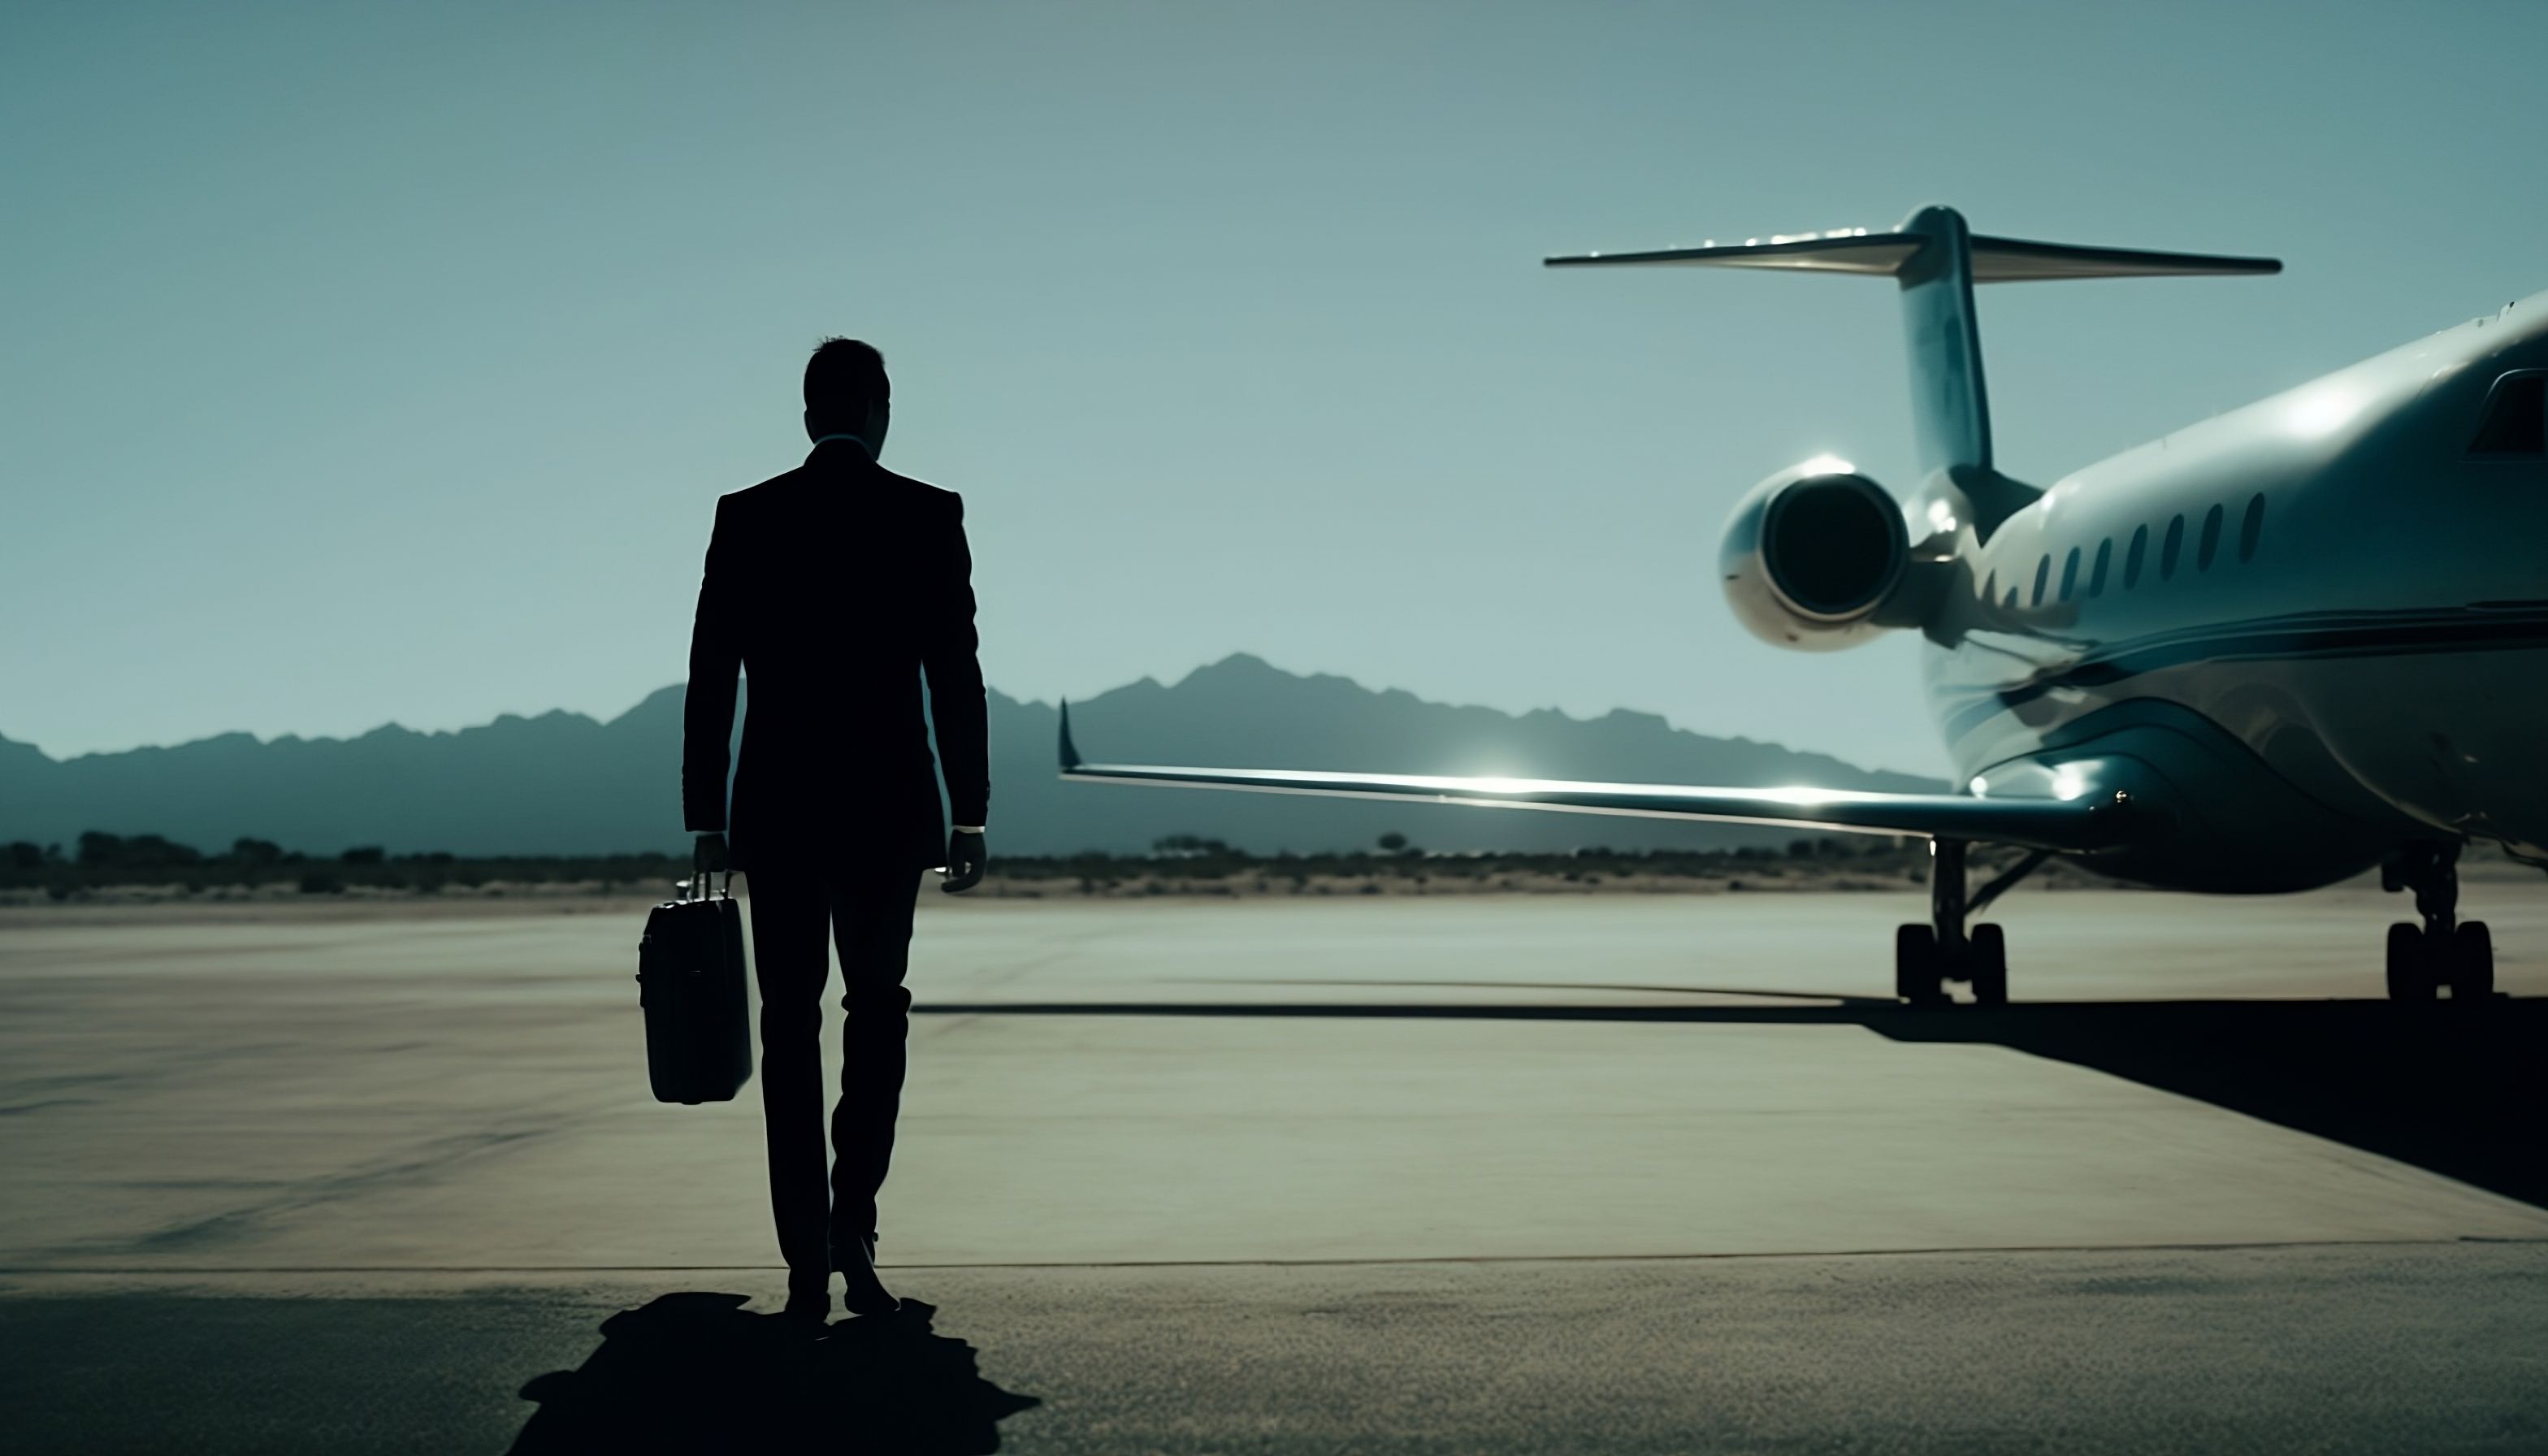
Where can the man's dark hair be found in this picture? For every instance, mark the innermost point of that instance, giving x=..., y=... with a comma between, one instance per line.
x=843, y=380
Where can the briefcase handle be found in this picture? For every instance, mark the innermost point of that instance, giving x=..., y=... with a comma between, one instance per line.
x=697, y=886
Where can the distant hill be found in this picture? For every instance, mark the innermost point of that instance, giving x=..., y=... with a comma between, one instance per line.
x=564, y=784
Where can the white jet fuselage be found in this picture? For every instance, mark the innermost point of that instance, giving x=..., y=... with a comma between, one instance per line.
x=2319, y=615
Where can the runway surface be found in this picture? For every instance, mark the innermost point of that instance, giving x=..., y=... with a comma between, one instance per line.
x=1530, y=1173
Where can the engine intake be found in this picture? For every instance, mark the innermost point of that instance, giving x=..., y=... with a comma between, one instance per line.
x=1811, y=553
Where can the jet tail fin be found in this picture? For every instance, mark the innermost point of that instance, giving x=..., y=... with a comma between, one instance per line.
x=1937, y=261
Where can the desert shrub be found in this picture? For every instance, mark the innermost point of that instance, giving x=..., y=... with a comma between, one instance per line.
x=100, y=850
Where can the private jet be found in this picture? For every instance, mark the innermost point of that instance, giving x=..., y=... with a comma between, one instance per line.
x=2282, y=647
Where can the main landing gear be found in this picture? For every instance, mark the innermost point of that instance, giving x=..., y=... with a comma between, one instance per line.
x=1927, y=957
x=2441, y=951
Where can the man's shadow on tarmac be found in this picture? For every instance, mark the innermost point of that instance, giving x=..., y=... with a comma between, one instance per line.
x=2457, y=1090
x=698, y=1371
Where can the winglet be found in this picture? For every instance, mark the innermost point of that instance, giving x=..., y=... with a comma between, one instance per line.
x=1069, y=753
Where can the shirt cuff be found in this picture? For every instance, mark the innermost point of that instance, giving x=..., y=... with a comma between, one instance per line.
x=967, y=828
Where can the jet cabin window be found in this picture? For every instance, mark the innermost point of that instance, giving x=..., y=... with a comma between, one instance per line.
x=2171, y=549
x=2515, y=422
x=2211, y=543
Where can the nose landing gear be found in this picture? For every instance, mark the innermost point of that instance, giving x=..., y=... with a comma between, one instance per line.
x=1927, y=957
x=2442, y=952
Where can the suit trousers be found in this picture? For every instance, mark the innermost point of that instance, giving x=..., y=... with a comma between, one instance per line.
x=866, y=910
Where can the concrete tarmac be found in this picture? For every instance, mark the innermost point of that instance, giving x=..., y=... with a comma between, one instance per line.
x=1532, y=1174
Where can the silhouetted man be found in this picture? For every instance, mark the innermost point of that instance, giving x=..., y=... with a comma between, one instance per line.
x=836, y=587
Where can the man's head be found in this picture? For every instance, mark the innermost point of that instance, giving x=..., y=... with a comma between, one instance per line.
x=846, y=392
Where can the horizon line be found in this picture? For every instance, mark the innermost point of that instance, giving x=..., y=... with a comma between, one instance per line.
x=393, y=725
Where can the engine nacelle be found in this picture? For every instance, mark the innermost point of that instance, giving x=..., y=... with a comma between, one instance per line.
x=1811, y=553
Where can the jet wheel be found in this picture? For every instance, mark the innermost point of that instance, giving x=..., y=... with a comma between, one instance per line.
x=1990, y=965
x=2410, y=970
x=1919, y=977
x=2470, y=962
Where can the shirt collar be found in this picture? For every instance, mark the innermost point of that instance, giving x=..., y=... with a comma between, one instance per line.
x=859, y=440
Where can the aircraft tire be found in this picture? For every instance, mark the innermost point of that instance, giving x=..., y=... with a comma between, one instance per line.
x=1917, y=978
x=1990, y=965
x=2410, y=969
x=2472, y=963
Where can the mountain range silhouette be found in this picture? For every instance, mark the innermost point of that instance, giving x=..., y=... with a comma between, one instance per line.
x=564, y=783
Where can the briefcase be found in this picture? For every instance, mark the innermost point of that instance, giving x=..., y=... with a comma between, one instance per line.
x=690, y=983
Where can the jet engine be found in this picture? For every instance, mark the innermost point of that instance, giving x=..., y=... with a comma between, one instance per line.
x=1811, y=553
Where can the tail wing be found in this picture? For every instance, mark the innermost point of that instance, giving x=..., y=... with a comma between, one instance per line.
x=1937, y=261
x=1994, y=259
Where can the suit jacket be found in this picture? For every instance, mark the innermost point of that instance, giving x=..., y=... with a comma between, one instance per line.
x=836, y=587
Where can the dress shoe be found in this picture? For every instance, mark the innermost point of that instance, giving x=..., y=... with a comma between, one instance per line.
x=809, y=1299
x=867, y=1294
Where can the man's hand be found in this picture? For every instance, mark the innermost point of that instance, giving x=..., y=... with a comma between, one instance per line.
x=709, y=855
x=966, y=856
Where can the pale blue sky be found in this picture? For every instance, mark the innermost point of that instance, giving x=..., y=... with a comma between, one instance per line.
x=383, y=362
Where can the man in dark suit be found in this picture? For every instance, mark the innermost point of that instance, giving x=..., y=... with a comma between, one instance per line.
x=838, y=587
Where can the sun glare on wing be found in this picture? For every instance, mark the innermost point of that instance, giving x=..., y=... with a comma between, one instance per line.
x=1502, y=786
x=1798, y=793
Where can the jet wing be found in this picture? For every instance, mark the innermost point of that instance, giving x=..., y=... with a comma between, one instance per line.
x=2088, y=822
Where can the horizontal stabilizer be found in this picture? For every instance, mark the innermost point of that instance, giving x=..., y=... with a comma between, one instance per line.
x=2081, y=824
x=1937, y=259
x=1994, y=259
